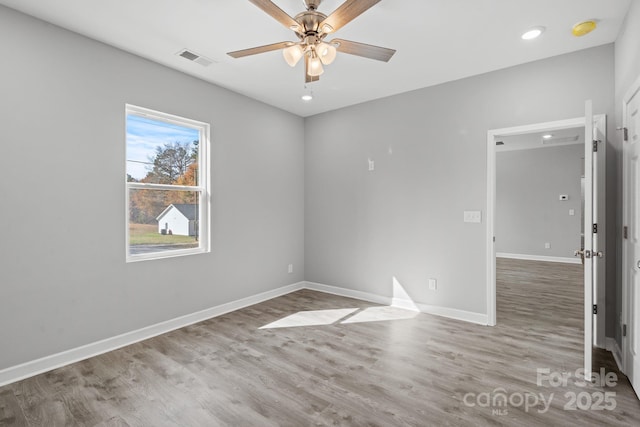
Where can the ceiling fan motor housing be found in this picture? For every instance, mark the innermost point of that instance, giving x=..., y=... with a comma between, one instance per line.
x=310, y=22
x=312, y=4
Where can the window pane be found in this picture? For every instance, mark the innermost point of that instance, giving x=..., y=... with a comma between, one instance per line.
x=161, y=153
x=163, y=220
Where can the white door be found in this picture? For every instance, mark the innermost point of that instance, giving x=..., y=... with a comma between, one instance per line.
x=631, y=343
x=588, y=238
x=591, y=252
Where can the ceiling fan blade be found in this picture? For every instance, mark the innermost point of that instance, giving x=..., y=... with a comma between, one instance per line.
x=276, y=13
x=259, y=49
x=347, y=12
x=365, y=50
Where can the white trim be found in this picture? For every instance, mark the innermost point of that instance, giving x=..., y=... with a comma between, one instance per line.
x=47, y=363
x=614, y=348
x=491, y=193
x=204, y=181
x=406, y=304
x=527, y=257
x=491, y=234
x=349, y=293
x=451, y=313
x=491, y=196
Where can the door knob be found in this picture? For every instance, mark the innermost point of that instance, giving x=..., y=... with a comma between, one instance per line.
x=639, y=263
x=588, y=253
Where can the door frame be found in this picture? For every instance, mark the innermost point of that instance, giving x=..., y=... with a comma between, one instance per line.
x=600, y=123
x=626, y=281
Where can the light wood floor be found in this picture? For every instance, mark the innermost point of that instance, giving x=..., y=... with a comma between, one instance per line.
x=352, y=368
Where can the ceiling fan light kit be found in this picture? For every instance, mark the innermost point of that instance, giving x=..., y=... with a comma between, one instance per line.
x=292, y=54
x=327, y=53
x=311, y=27
x=314, y=66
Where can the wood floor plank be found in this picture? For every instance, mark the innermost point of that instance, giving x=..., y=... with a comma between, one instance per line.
x=10, y=412
x=352, y=363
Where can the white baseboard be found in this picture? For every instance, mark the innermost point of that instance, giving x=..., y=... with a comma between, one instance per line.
x=451, y=313
x=349, y=293
x=614, y=348
x=47, y=363
x=526, y=257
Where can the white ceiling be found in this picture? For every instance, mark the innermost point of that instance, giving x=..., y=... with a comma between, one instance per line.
x=532, y=140
x=436, y=41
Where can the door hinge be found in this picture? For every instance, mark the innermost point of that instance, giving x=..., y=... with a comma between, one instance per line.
x=595, y=228
x=625, y=232
x=624, y=330
x=625, y=134
x=595, y=146
x=595, y=308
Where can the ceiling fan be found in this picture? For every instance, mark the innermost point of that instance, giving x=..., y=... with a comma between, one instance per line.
x=311, y=27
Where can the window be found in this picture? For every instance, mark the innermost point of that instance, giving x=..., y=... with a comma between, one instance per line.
x=167, y=185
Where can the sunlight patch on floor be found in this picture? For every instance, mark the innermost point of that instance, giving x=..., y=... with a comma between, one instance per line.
x=401, y=308
x=341, y=315
x=379, y=314
x=311, y=318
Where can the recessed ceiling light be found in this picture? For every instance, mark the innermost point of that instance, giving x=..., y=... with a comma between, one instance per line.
x=307, y=97
x=533, y=33
x=583, y=28
x=547, y=136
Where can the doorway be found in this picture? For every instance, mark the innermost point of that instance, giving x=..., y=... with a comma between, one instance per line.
x=539, y=195
x=496, y=135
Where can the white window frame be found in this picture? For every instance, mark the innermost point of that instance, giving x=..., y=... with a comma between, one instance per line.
x=204, y=221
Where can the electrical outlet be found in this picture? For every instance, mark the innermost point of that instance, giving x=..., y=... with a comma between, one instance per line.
x=473, y=216
x=290, y=268
x=433, y=284
x=372, y=165
x=547, y=245
x=572, y=212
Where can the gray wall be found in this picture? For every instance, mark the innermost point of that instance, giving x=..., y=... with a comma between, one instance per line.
x=405, y=219
x=64, y=281
x=627, y=70
x=528, y=210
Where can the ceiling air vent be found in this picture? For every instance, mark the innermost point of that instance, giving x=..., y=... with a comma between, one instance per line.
x=194, y=57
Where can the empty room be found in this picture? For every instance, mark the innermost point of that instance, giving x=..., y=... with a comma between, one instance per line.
x=320, y=212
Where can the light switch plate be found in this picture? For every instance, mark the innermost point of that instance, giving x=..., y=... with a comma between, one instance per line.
x=473, y=216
